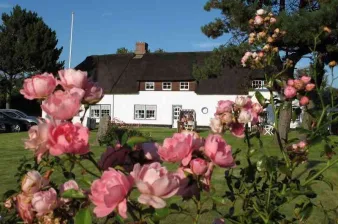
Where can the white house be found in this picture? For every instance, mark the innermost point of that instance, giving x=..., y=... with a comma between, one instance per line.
x=152, y=88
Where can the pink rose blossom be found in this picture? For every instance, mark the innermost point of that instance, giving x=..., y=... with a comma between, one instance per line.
x=258, y=20
x=24, y=208
x=218, y=221
x=260, y=12
x=62, y=105
x=44, y=202
x=150, y=150
x=302, y=144
x=273, y=20
x=257, y=108
x=93, y=93
x=290, y=92
x=240, y=101
x=218, y=151
x=68, y=138
x=71, y=78
x=197, y=141
x=71, y=184
x=38, y=138
x=110, y=192
x=291, y=82
x=155, y=183
x=32, y=182
x=226, y=118
x=244, y=117
x=305, y=79
x=261, y=54
x=177, y=149
x=198, y=166
x=224, y=106
x=309, y=87
x=39, y=86
x=113, y=156
x=216, y=125
x=237, y=130
x=294, y=146
x=298, y=84
x=304, y=101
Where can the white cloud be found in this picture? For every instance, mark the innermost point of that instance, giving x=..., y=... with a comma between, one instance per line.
x=207, y=44
x=5, y=5
x=107, y=14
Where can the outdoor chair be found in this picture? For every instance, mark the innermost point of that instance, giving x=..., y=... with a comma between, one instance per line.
x=267, y=129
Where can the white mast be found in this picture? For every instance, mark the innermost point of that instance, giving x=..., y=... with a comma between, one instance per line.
x=71, y=41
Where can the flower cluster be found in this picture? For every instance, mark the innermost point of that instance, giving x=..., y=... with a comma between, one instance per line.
x=233, y=115
x=263, y=37
x=299, y=86
x=298, y=152
x=57, y=135
x=128, y=165
x=37, y=200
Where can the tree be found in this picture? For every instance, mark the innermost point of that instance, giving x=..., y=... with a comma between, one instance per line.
x=294, y=17
x=27, y=46
x=160, y=50
x=123, y=50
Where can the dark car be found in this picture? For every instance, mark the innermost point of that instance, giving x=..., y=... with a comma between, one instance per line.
x=14, y=124
x=21, y=115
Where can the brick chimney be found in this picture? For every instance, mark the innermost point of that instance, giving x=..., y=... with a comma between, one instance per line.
x=140, y=49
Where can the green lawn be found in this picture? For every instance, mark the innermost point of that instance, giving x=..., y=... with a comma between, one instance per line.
x=11, y=148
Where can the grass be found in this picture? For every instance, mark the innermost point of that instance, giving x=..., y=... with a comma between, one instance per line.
x=11, y=148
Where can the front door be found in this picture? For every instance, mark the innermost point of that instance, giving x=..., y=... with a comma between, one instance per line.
x=176, y=114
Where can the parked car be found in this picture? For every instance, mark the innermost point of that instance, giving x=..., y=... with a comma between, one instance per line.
x=21, y=115
x=14, y=124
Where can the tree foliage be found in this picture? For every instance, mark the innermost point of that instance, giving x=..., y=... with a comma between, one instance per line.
x=27, y=46
x=159, y=50
x=123, y=50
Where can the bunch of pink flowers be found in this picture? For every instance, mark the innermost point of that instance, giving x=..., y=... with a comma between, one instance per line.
x=122, y=168
x=300, y=86
x=234, y=115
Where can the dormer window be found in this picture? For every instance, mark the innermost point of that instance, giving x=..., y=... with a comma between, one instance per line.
x=149, y=86
x=257, y=84
x=166, y=85
x=184, y=85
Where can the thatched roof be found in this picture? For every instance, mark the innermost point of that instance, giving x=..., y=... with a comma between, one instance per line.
x=121, y=73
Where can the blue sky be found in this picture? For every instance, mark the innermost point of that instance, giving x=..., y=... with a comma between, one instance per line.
x=102, y=26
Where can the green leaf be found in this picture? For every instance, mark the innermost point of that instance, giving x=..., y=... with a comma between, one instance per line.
x=279, y=82
x=83, y=216
x=260, y=98
x=85, y=182
x=119, y=219
x=285, y=170
x=160, y=214
x=72, y=193
x=136, y=140
x=219, y=200
x=306, y=212
x=124, y=138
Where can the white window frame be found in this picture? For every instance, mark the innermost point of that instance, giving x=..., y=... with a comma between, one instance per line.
x=99, y=107
x=185, y=89
x=166, y=83
x=257, y=84
x=147, y=84
x=144, y=108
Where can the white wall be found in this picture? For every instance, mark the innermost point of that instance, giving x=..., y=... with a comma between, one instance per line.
x=122, y=105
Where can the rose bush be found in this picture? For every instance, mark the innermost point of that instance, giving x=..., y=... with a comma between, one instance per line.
x=131, y=180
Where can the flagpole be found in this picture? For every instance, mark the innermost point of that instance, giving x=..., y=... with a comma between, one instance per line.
x=71, y=41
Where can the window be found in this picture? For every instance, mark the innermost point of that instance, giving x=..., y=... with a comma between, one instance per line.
x=145, y=112
x=184, y=85
x=257, y=84
x=99, y=110
x=166, y=85
x=149, y=86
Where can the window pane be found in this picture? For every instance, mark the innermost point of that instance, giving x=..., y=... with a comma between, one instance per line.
x=139, y=114
x=150, y=114
x=166, y=85
x=184, y=85
x=149, y=85
x=140, y=107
